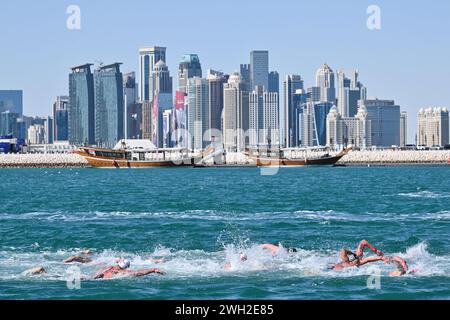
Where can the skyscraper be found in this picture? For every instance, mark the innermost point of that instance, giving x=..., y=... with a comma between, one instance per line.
x=259, y=69
x=148, y=57
x=344, y=131
x=291, y=84
x=147, y=111
x=403, y=129
x=81, y=106
x=48, y=128
x=315, y=123
x=198, y=113
x=161, y=85
x=433, y=126
x=216, y=81
x=264, y=128
x=235, y=113
x=190, y=67
x=11, y=100
x=109, y=109
x=132, y=115
x=245, y=76
x=274, y=82
x=385, y=121
x=8, y=123
x=325, y=81
x=60, y=119
x=350, y=91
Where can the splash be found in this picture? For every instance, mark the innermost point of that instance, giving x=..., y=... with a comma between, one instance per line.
x=183, y=264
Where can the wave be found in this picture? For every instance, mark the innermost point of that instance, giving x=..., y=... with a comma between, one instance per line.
x=182, y=264
x=321, y=216
x=426, y=195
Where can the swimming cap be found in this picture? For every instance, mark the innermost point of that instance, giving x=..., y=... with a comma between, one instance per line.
x=123, y=264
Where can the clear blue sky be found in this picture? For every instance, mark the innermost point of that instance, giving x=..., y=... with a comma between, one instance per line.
x=408, y=60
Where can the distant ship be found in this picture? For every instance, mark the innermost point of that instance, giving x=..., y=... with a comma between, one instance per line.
x=135, y=154
x=324, y=160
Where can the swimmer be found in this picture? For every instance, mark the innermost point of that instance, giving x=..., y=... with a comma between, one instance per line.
x=35, y=271
x=358, y=259
x=122, y=269
x=242, y=257
x=83, y=257
x=275, y=249
x=401, y=265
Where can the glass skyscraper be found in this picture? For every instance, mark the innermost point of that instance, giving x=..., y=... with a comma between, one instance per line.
x=109, y=102
x=11, y=100
x=81, y=106
x=259, y=69
x=148, y=58
x=190, y=67
x=198, y=113
x=60, y=119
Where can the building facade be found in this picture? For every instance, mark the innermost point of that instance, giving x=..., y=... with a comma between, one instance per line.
x=385, y=121
x=259, y=69
x=81, y=106
x=148, y=58
x=235, y=114
x=198, y=113
x=291, y=85
x=433, y=127
x=109, y=105
x=403, y=129
x=11, y=100
x=61, y=119
x=131, y=123
x=350, y=91
x=216, y=81
x=325, y=81
x=345, y=131
x=264, y=120
x=189, y=67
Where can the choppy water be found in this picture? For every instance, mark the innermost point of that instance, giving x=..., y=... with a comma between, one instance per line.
x=199, y=219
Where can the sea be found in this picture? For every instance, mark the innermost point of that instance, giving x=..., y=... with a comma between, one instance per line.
x=199, y=219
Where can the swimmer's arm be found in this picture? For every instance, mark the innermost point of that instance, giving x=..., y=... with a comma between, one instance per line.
x=144, y=272
x=369, y=260
x=270, y=247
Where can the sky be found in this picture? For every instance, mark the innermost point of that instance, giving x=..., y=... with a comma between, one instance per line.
x=407, y=60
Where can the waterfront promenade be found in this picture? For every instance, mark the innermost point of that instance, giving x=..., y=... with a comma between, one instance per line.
x=354, y=158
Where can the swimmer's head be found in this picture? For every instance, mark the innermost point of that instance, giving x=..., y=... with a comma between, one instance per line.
x=123, y=264
x=243, y=257
x=292, y=250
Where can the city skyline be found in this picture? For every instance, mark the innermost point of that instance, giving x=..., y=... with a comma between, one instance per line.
x=350, y=45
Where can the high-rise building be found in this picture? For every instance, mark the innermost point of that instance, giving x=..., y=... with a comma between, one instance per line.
x=274, y=82
x=109, y=105
x=344, y=131
x=36, y=134
x=148, y=58
x=433, y=127
x=147, y=112
x=48, y=128
x=216, y=81
x=245, y=76
x=11, y=100
x=313, y=94
x=160, y=81
x=350, y=91
x=198, y=113
x=167, y=131
x=264, y=119
x=60, y=119
x=315, y=123
x=259, y=69
x=81, y=106
x=385, y=121
x=235, y=113
x=291, y=85
x=190, y=67
x=403, y=129
x=8, y=123
x=325, y=81
x=132, y=117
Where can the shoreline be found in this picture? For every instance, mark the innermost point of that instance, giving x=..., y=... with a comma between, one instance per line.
x=384, y=158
